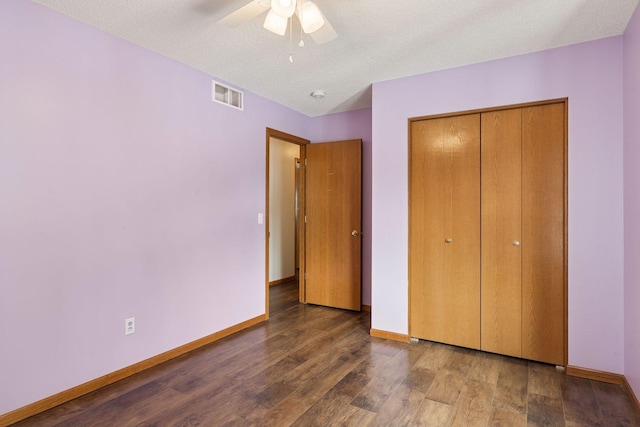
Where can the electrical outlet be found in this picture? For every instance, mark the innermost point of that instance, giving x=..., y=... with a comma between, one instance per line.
x=129, y=325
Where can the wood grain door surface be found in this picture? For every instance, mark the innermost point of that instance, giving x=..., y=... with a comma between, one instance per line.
x=444, y=235
x=333, y=224
x=543, y=233
x=501, y=232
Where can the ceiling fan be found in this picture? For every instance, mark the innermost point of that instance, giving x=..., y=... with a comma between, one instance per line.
x=312, y=20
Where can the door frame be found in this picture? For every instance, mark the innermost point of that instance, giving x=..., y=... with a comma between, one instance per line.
x=272, y=133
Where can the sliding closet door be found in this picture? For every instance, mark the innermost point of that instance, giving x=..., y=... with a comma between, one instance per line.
x=543, y=233
x=501, y=232
x=444, y=230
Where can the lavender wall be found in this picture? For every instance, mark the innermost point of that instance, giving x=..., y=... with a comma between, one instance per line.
x=124, y=191
x=354, y=125
x=590, y=75
x=632, y=202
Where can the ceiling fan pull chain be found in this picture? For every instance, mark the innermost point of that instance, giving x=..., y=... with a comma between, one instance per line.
x=301, y=44
x=290, y=39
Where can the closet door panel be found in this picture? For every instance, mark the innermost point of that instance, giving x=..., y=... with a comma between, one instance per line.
x=543, y=240
x=501, y=320
x=444, y=238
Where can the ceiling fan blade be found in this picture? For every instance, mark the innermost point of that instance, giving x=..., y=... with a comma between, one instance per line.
x=245, y=13
x=325, y=34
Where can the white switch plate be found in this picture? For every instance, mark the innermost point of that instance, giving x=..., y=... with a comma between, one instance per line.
x=129, y=325
x=260, y=218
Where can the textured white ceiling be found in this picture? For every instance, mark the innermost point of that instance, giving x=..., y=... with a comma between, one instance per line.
x=378, y=40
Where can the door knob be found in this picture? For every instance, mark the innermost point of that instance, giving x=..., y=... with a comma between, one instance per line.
x=448, y=240
x=516, y=243
x=354, y=233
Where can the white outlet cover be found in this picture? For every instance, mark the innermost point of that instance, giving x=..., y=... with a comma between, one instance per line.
x=129, y=325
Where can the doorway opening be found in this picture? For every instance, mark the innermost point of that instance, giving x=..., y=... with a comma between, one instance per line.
x=284, y=231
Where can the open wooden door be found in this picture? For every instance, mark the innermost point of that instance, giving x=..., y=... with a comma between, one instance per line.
x=333, y=224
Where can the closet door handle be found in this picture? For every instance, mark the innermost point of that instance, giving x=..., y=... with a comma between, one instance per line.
x=516, y=243
x=448, y=240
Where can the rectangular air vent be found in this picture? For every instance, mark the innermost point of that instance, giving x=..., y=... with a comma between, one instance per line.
x=225, y=95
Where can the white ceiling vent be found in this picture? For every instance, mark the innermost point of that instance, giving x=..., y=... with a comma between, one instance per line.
x=226, y=95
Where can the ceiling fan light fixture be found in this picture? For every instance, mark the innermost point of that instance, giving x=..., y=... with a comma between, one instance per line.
x=275, y=23
x=283, y=8
x=310, y=17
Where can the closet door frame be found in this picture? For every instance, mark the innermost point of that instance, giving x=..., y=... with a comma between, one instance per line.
x=565, y=102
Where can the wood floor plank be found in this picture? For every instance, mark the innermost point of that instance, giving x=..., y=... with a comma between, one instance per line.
x=378, y=390
x=273, y=394
x=461, y=359
x=450, y=379
x=353, y=416
x=544, y=380
x=432, y=413
x=310, y=388
x=400, y=408
x=323, y=411
x=435, y=355
x=473, y=407
x=486, y=368
x=505, y=418
x=313, y=368
x=251, y=356
x=512, y=385
x=332, y=322
x=544, y=411
x=446, y=386
x=389, y=347
x=580, y=404
x=420, y=379
x=235, y=421
x=277, y=371
x=331, y=407
x=546, y=401
x=209, y=407
x=361, y=375
x=310, y=345
x=615, y=404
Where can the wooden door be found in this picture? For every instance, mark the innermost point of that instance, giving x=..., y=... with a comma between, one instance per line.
x=501, y=311
x=544, y=233
x=444, y=230
x=333, y=224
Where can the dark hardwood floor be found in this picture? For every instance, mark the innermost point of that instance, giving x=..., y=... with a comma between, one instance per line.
x=316, y=366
